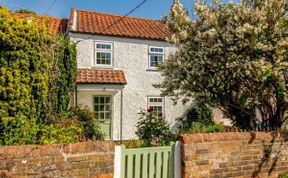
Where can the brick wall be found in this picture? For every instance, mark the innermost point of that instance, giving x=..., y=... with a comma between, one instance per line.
x=234, y=154
x=91, y=159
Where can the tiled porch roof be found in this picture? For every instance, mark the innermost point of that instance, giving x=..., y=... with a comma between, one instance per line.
x=96, y=76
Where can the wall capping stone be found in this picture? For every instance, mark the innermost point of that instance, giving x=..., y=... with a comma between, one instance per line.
x=231, y=136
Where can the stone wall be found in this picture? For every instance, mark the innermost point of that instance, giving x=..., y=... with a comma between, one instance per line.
x=91, y=159
x=234, y=154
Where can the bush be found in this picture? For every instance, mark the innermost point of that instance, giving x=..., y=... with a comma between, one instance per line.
x=87, y=118
x=201, y=112
x=132, y=143
x=76, y=125
x=153, y=130
x=23, y=78
x=62, y=131
x=200, y=128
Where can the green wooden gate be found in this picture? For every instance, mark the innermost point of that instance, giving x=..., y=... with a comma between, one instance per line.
x=154, y=162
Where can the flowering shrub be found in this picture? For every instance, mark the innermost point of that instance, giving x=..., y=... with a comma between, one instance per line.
x=234, y=56
x=153, y=130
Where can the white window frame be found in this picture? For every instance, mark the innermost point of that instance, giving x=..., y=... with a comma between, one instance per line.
x=151, y=104
x=155, y=53
x=96, y=50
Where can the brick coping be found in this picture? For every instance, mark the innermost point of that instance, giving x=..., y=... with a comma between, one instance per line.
x=73, y=148
x=231, y=136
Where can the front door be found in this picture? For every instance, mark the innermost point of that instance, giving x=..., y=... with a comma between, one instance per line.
x=103, y=109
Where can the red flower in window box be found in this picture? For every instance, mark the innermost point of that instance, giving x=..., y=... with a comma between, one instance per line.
x=160, y=114
x=150, y=109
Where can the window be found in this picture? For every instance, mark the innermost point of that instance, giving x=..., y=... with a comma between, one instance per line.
x=156, y=56
x=102, y=107
x=157, y=104
x=103, y=54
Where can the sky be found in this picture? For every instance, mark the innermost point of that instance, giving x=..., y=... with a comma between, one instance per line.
x=151, y=9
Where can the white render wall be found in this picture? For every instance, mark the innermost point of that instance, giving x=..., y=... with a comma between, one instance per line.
x=130, y=55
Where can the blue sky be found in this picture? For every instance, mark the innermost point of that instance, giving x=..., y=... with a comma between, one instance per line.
x=152, y=9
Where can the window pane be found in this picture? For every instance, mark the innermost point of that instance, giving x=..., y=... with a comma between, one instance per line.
x=103, y=58
x=155, y=60
x=102, y=108
x=102, y=116
x=103, y=46
x=107, y=115
x=107, y=99
x=156, y=50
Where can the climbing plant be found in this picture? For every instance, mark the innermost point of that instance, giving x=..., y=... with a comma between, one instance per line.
x=62, y=73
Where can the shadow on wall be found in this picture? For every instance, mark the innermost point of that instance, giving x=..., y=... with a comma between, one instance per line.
x=187, y=115
x=267, y=155
x=190, y=116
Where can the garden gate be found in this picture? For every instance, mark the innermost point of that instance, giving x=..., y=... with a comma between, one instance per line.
x=153, y=162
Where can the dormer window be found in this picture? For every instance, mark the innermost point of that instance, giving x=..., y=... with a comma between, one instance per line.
x=156, y=57
x=103, y=54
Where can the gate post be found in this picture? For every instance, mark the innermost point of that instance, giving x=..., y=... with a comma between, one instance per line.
x=118, y=158
x=177, y=160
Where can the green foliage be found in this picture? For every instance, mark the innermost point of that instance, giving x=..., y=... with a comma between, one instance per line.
x=37, y=73
x=201, y=128
x=233, y=55
x=76, y=125
x=87, y=118
x=62, y=74
x=153, y=130
x=23, y=79
x=284, y=176
x=62, y=130
x=201, y=112
x=132, y=143
x=25, y=11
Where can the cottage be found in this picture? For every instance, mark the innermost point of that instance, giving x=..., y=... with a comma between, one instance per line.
x=117, y=67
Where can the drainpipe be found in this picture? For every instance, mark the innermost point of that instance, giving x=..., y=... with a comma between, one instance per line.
x=76, y=98
x=121, y=116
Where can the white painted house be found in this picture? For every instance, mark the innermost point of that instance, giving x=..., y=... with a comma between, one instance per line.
x=117, y=67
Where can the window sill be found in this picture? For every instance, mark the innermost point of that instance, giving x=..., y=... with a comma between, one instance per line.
x=152, y=69
x=102, y=67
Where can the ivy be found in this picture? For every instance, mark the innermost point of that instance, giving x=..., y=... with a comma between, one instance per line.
x=63, y=73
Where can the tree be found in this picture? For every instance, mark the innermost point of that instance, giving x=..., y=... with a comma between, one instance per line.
x=23, y=78
x=234, y=56
x=25, y=11
x=37, y=73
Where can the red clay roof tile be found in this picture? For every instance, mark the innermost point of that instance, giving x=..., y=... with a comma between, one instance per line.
x=54, y=24
x=96, y=76
x=105, y=24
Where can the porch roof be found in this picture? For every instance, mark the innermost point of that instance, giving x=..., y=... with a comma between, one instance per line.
x=96, y=76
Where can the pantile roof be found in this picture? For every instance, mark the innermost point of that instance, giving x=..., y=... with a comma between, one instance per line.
x=111, y=25
x=54, y=24
x=96, y=76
